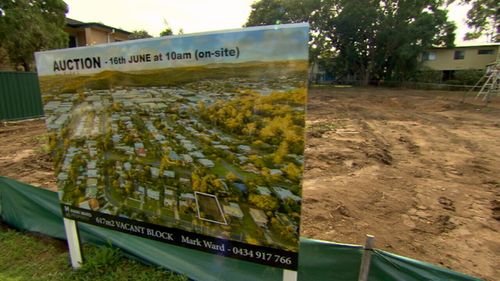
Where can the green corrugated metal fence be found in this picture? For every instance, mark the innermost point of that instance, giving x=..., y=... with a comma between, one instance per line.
x=19, y=96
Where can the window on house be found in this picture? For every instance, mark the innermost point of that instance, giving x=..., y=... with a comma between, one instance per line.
x=428, y=56
x=459, y=55
x=485, y=52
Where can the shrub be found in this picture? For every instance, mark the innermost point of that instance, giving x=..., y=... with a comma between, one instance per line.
x=468, y=76
x=427, y=76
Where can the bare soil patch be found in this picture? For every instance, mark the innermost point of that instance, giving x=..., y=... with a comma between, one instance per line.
x=24, y=155
x=417, y=169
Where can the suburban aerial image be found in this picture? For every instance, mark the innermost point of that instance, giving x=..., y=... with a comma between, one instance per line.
x=211, y=150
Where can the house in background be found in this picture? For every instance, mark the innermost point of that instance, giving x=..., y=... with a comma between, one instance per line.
x=80, y=34
x=449, y=60
x=92, y=33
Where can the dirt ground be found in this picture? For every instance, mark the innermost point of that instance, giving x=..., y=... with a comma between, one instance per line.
x=24, y=154
x=417, y=169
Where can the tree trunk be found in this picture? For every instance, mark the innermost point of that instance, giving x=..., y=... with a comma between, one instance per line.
x=26, y=66
x=365, y=76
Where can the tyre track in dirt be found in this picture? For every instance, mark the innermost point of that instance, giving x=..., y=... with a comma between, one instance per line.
x=416, y=169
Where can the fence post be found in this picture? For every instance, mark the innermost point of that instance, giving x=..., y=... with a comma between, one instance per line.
x=367, y=257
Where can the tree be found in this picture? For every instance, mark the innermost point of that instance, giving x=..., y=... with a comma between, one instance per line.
x=280, y=153
x=167, y=31
x=195, y=181
x=483, y=17
x=27, y=26
x=231, y=177
x=365, y=39
x=264, y=202
x=165, y=162
x=250, y=129
x=128, y=188
x=267, y=12
x=380, y=39
x=292, y=172
x=139, y=34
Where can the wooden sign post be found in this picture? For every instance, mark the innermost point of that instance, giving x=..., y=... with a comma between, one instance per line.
x=73, y=239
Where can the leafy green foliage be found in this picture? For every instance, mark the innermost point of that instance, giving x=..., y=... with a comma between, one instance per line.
x=484, y=18
x=381, y=39
x=468, y=76
x=460, y=77
x=27, y=26
x=264, y=202
x=267, y=12
x=99, y=259
x=427, y=75
x=293, y=172
x=270, y=118
x=167, y=31
x=203, y=182
x=365, y=39
x=107, y=263
x=139, y=34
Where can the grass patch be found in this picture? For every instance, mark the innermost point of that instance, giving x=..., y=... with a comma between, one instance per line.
x=250, y=228
x=219, y=170
x=133, y=204
x=151, y=204
x=25, y=256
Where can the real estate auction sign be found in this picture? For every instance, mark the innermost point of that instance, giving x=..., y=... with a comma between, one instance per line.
x=194, y=140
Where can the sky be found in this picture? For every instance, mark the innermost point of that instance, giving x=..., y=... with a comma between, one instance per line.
x=191, y=15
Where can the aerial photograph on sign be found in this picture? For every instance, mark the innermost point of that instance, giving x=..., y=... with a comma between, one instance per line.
x=201, y=133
